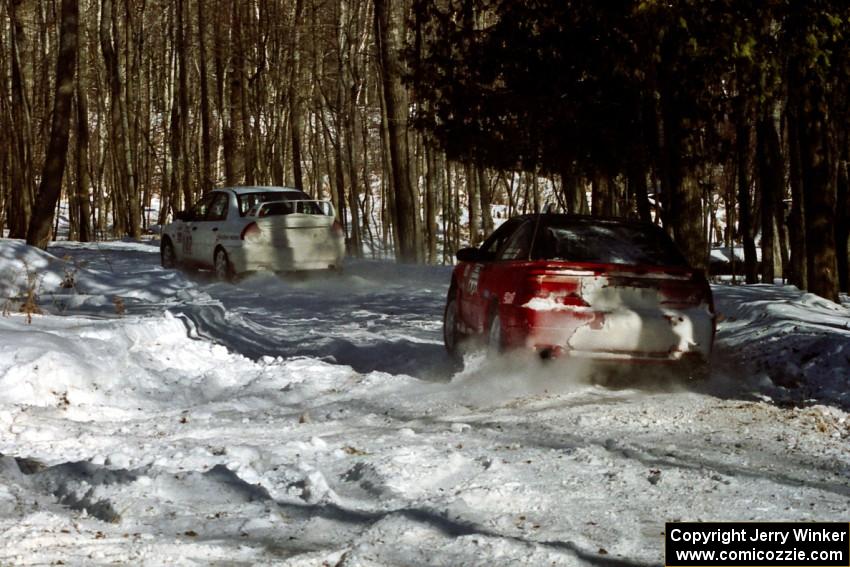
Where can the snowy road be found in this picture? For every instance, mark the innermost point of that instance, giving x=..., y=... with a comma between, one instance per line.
x=376, y=316
x=319, y=422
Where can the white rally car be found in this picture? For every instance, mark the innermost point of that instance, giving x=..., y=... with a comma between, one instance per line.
x=234, y=230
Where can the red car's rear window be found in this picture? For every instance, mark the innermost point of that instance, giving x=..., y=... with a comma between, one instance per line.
x=606, y=243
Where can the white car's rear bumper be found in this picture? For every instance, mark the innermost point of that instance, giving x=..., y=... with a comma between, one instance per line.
x=251, y=257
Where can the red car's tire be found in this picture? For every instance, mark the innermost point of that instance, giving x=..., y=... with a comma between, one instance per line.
x=495, y=334
x=452, y=336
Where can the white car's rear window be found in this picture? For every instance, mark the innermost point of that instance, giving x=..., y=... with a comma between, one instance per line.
x=248, y=201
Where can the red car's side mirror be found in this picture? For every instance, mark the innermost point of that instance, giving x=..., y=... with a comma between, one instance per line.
x=469, y=255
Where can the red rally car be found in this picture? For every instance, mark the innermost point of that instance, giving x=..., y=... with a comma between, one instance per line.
x=565, y=285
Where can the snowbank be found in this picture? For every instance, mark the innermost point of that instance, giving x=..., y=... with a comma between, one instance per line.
x=800, y=341
x=87, y=365
x=128, y=276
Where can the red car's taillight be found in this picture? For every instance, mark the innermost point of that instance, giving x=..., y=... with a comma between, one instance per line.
x=251, y=232
x=695, y=292
x=556, y=289
x=573, y=300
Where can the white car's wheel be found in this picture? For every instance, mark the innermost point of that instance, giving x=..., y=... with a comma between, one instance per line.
x=223, y=267
x=167, y=257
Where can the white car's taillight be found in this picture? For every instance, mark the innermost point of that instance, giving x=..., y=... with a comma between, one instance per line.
x=337, y=229
x=251, y=233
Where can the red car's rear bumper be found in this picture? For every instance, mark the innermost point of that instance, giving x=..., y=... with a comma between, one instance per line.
x=628, y=335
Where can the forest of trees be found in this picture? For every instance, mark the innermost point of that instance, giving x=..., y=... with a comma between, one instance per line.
x=725, y=121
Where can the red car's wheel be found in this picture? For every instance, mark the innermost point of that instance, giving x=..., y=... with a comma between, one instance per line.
x=495, y=337
x=452, y=336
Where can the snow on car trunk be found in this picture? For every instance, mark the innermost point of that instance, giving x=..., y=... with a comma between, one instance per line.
x=303, y=238
x=290, y=235
x=613, y=311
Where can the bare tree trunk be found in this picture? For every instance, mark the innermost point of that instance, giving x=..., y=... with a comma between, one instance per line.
x=337, y=192
x=22, y=197
x=389, y=35
x=599, y=195
x=842, y=226
x=362, y=128
x=510, y=184
x=432, y=189
x=125, y=189
x=221, y=45
x=84, y=232
x=446, y=202
x=687, y=221
x=50, y=187
x=387, y=183
x=133, y=200
x=770, y=181
x=356, y=247
x=294, y=96
x=454, y=199
x=338, y=178
x=615, y=198
x=573, y=191
x=177, y=164
x=537, y=206
x=744, y=217
x=819, y=189
x=684, y=202
x=233, y=140
x=339, y=172
x=638, y=189
x=241, y=59
x=183, y=98
x=472, y=190
x=6, y=157
x=683, y=214
x=206, y=120
x=796, y=218
x=486, y=198
x=349, y=93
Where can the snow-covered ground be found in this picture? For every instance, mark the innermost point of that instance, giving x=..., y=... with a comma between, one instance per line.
x=152, y=418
